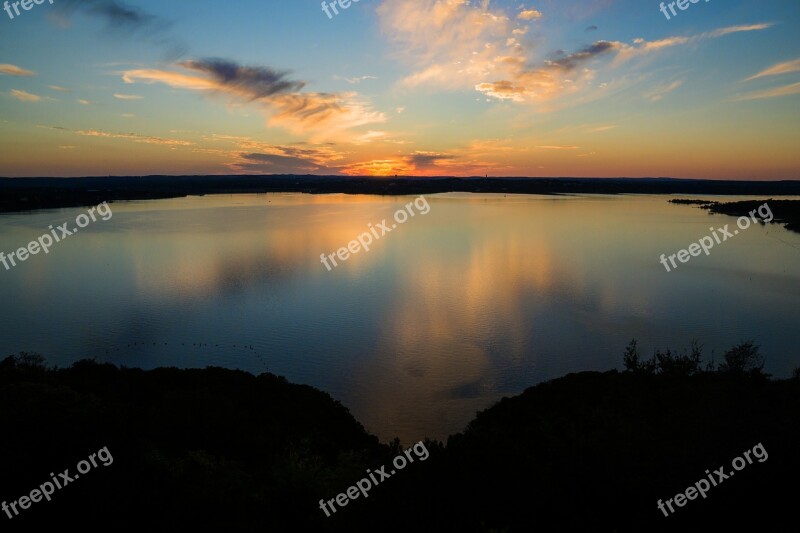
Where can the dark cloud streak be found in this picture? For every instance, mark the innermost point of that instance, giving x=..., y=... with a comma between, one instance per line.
x=426, y=159
x=574, y=60
x=252, y=82
x=121, y=17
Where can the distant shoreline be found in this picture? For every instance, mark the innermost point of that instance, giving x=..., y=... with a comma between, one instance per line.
x=26, y=194
x=787, y=212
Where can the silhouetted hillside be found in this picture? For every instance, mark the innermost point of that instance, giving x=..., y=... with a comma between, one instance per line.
x=222, y=450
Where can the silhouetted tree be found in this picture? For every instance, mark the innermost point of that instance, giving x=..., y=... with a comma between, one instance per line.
x=744, y=358
x=680, y=364
x=633, y=362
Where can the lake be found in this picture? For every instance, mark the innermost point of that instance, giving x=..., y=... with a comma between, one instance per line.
x=480, y=298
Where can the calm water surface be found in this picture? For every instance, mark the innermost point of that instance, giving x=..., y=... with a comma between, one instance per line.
x=481, y=298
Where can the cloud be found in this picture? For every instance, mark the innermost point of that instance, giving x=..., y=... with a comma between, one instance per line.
x=771, y=93
x=778, y=69
x=249, y=82
x=502, y=90
x=254, y=156
x=128, y=96
x=736, y=29
x=449, y=43
x=553, y=78
x=598, y=129
x=423, y=160
x=121, y=17
x=84, y=102
x=60, y=89
x=574, y=60
x=320, y=113
x=117, y=15
x=464, y=161
x=658, y=92
x=276, y=164
x=574, y=73
x=13, y=70
x=371, y=136
x=359, y=79
x=530, y=14
x=643, y=47
x=556, y=147
x=147, y=139
x=135, y=137
x=378, y=167
x=220, y=76
x=24, y=96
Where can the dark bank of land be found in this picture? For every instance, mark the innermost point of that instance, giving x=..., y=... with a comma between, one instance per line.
x=21, y=194
x=223, y=450
x=786, y=212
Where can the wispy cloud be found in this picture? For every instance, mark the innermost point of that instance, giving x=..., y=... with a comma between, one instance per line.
x=24, y=96
x=120, y=17
x=279, y=96
x=116, y=14
x=778, y=69
x=737, y=29
x=660, y=91
x=134, y=137
x=13, y=70
x=356, y=80
x=557, y=147
x=147, y=139
x=127, y=96
x=59, y=89
x=598, y=129
x=786, y=90
x=572, y=73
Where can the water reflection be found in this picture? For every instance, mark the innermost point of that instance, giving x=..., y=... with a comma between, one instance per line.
x=480, y=298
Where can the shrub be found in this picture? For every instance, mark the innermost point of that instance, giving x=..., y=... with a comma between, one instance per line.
x=744, y=358
x=633, y=362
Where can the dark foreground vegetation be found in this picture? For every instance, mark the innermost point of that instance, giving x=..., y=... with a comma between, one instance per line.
x=22, y=194
x=787, y=212
x=222, y=450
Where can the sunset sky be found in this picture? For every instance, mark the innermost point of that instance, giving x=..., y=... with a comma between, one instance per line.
x=409, y=87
